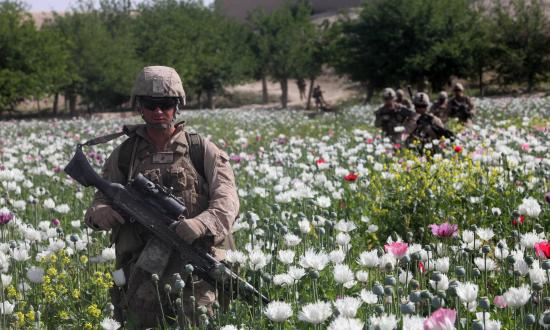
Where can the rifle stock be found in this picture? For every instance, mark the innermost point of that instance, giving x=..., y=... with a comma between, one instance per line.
x=154, y=208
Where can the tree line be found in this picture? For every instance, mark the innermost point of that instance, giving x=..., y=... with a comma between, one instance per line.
x=91, y=55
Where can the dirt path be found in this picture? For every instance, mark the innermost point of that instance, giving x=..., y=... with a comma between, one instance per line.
x=334, y=89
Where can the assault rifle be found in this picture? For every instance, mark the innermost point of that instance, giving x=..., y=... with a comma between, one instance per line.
x=460, y=111
x=156, y=209
x=425, y=120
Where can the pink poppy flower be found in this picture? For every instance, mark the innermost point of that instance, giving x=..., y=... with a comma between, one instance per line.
x=397, y=249
x=442, y=318
x=444, y=230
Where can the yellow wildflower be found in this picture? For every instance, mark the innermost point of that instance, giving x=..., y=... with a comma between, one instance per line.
x=84, y=259
x=63, y=315
x=30, y=315
x=66, y=260
x=94, y=311
x=76, y=294
x=12, y=293
x=52, y=272
x=20, y=319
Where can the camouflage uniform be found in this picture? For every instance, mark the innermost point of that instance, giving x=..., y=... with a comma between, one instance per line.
x=404, y=102
x=441, y=110
x=401, y=99
x=388, y=118
x=421, y=128
x=212, y=200
x=460, y=107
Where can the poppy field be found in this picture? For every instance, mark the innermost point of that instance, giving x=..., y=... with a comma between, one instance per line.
x=338, y=226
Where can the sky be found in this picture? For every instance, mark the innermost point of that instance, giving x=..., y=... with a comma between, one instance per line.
x=63, y=5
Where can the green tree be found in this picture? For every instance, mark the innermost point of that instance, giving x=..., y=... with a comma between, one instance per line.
x=18, y=67
x=103, y=62
x=286, y=42
x=207, y=50
x=522, y=35
x=396, y=41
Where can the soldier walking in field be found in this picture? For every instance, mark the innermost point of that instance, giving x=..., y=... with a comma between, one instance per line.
x=440, y=108
x=461, y=106
x=392, y=116
x=401, y=99
x=424, y=127
x=301, y=84
x=197, y=172
x=320, y=103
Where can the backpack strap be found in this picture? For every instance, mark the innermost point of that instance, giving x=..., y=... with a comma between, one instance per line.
x=196, y=152
x=127, y=155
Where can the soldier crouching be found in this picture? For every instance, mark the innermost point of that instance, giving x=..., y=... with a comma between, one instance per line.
x=197, y=172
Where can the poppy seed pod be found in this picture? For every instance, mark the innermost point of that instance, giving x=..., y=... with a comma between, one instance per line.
x=484, y=303
x=530, y=319
x=414, y=296
x=407, y=308
x=437, y=303
x=477, y=325
x=378, y=289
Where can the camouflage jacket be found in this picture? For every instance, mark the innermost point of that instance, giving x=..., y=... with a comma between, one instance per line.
x=388, y=119
x=212, y=200
x=462, y=108
x=425, y=128
x=440, y=110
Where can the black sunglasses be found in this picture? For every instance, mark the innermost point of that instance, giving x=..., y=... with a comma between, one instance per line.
x=163, y=104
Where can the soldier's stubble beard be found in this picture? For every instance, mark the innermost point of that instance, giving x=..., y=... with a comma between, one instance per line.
x=159, y=127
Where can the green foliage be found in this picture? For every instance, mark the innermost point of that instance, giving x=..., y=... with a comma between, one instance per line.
x=285, y=42
x=28, y=63
x=207, y=50
x=400, y=41
x=103, y=62
x=522, y=36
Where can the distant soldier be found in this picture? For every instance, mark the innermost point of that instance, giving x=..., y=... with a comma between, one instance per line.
x=317, y=94
x=424, y=127
x=461, y=106
x=391, y=117
x=301, y=84
x=401, y=99
x=440, y=108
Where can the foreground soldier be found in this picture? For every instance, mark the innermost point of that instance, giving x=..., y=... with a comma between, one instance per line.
x=461, y=106
x=391, y=117
x=196, y=171
x=424, y=127
x=401, y=99
x=440, y=108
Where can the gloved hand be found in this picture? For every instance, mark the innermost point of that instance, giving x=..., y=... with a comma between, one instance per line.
x=190, y=229
x=103, y=217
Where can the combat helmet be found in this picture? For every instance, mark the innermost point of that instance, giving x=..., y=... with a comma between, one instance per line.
x=458, y=87
x=158, y=81
x=421, y=100
x=400, y=93
x=388, y=94
x=442, y=95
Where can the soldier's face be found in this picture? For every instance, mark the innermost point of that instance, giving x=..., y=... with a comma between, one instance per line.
x=161, y=112
x=388, y=102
